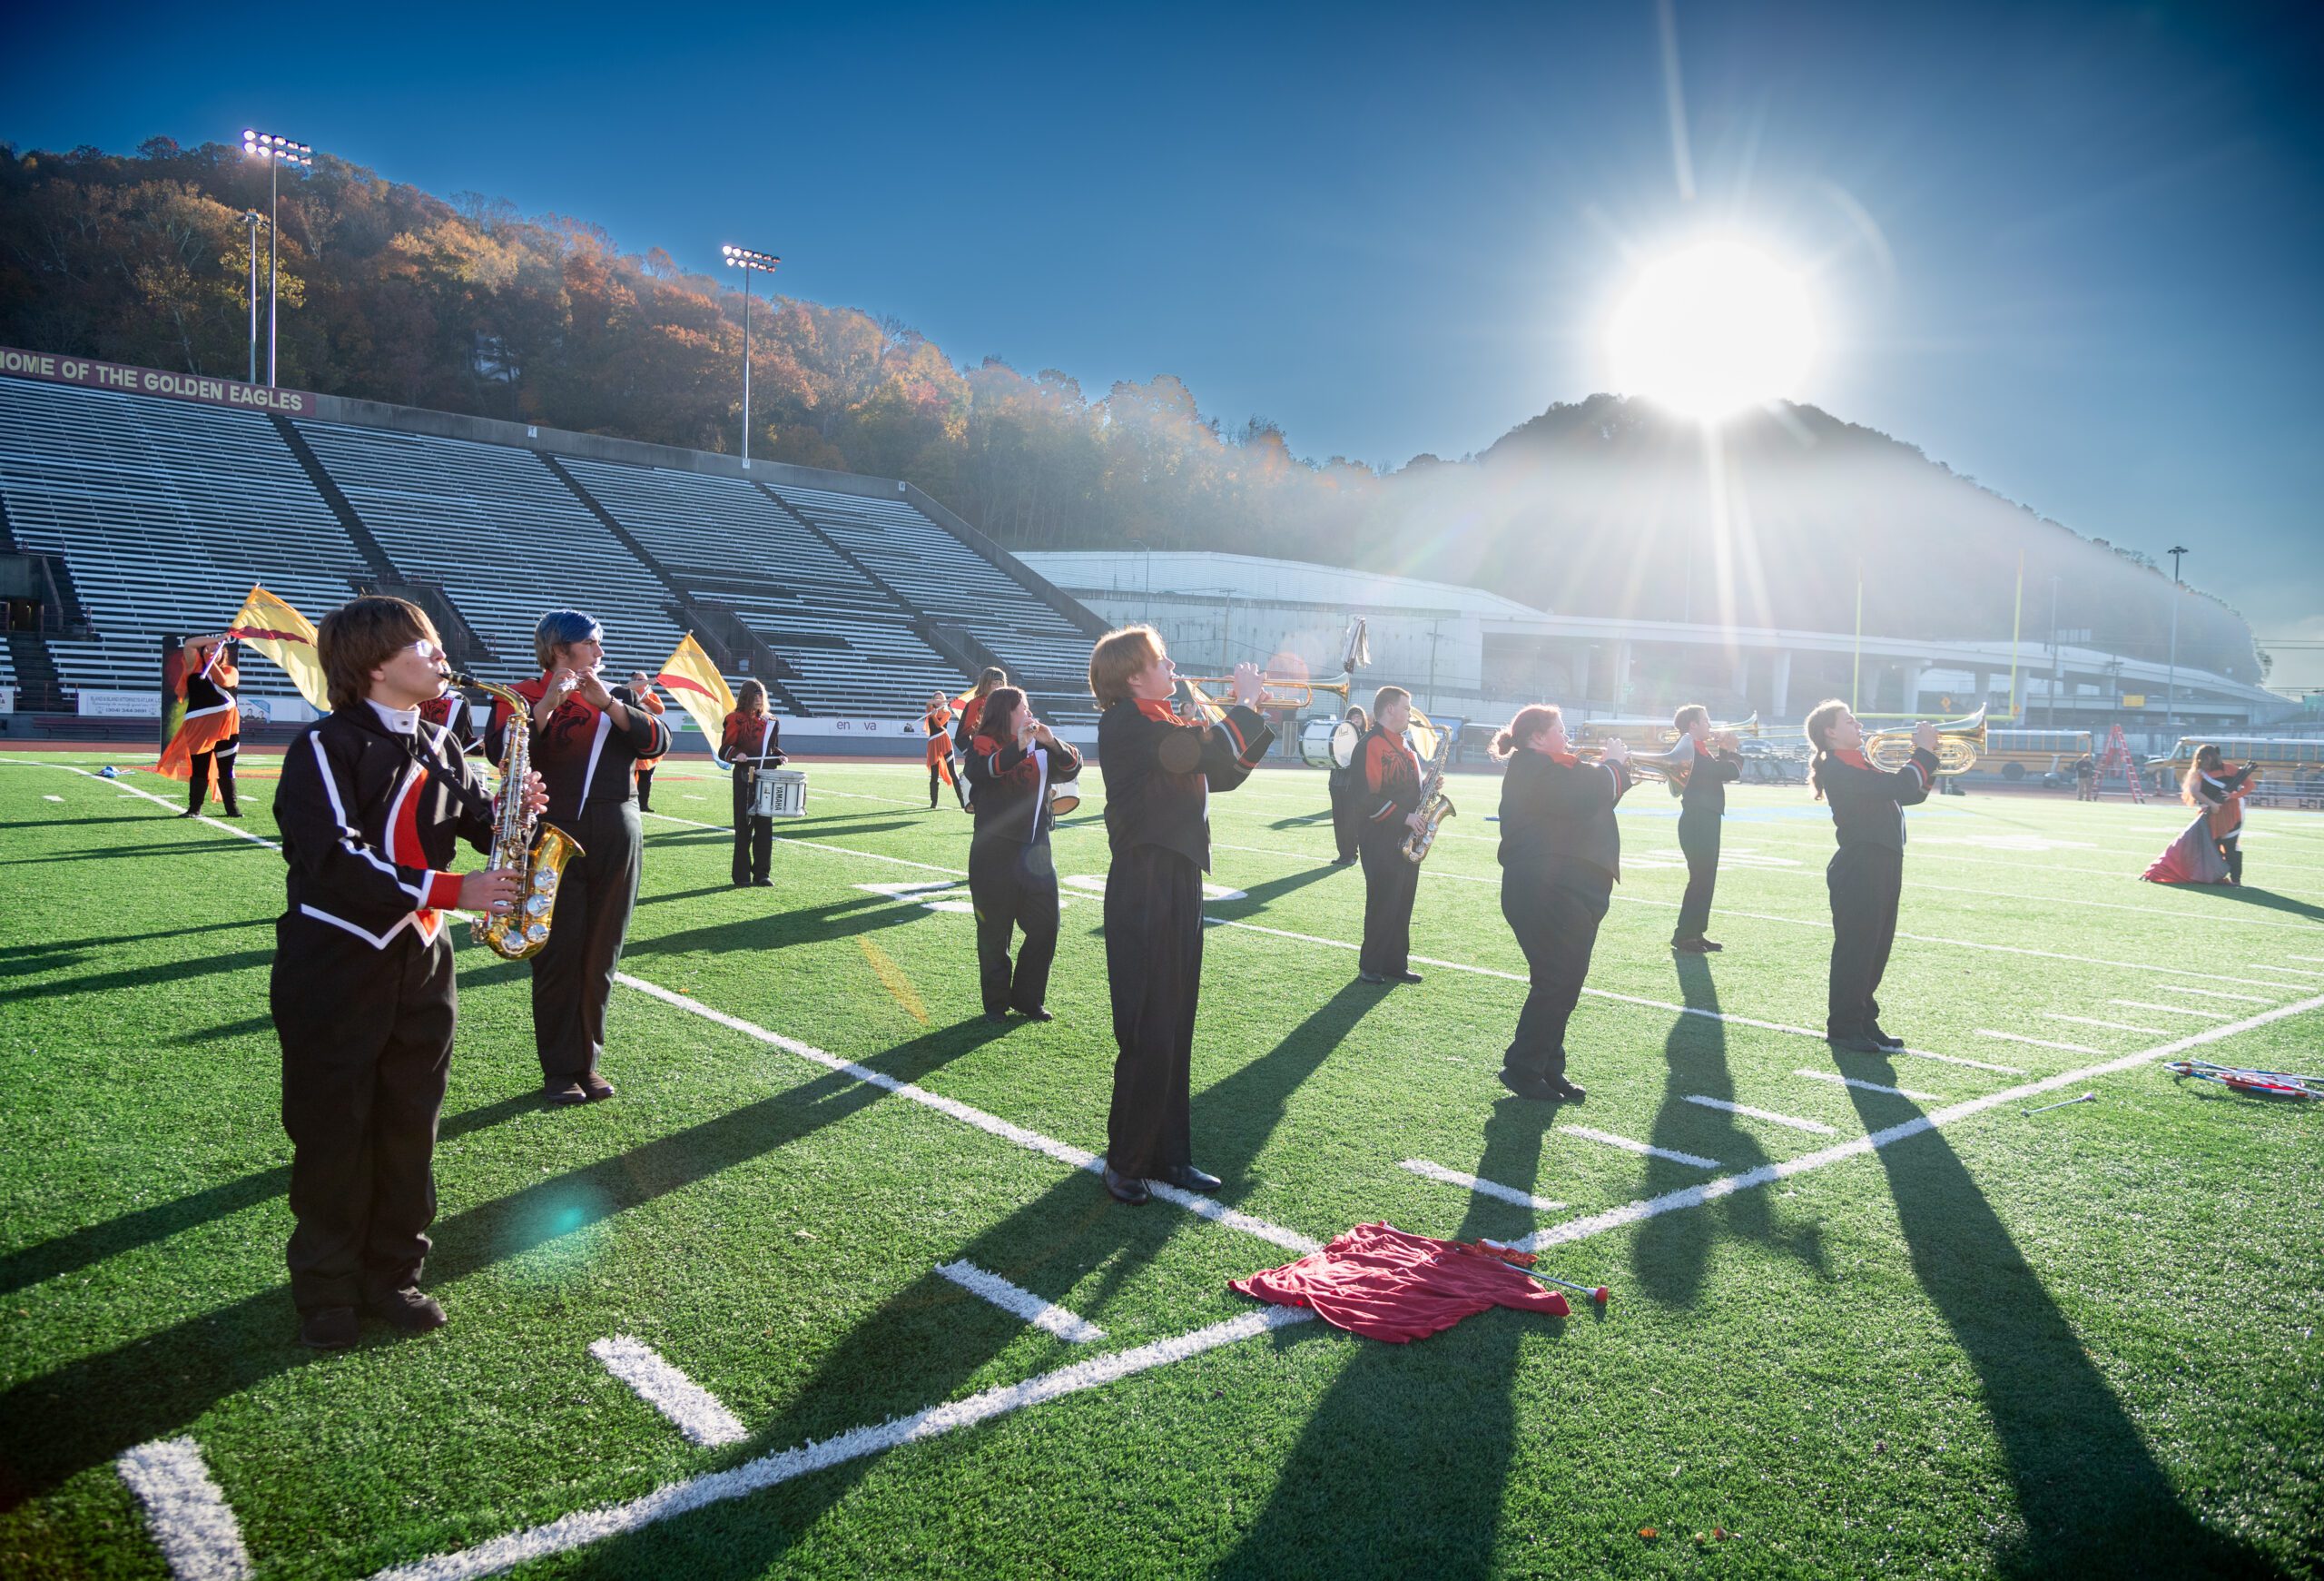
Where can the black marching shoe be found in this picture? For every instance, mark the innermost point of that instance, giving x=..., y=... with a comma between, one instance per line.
x=1372, y=977
x=1187, y=1178
x=407, y=1310
x=761, y=883
x=1690, y=946
x=595, y=1087
x=1527, y=1085
x=1712, y=945
x=566, y=1092
x=1854, y=1042
x=1406, y=977
x=1038, y=1013
x=1571, y=1092
x=330, y=1328
x=996, y=1016
x=1127, y=1188
x=1887, y=1040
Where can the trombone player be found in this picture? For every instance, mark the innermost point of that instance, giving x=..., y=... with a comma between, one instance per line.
x=1702, y=791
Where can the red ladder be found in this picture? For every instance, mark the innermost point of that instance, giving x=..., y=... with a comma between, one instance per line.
x=2117, y=755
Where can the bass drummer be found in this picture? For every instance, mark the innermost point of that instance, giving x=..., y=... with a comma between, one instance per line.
x=752, y=741
x=1347, y=786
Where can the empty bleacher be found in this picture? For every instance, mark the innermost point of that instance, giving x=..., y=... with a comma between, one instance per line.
x=166, y=511
x=501, y=535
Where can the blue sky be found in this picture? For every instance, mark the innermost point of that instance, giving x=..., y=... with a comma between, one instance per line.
x=2076, y=251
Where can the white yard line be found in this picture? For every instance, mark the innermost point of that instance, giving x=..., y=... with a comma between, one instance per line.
x=2015, y=1037
x=2173, y=1009
x=1643, y=1149
x=1793, y=1121
x=1482, y=1188
x=1019, y=1301
x=2292, y=971
x=697, y=1413
x=993, y=1125
x=2110, y=1025
x=191, y=1522
x=2211, y=993
x=1869, y=1086
x=1953, y=1059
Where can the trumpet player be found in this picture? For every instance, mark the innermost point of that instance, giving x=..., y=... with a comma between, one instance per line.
x=585, y=736
x=1560, y=856
x=1702, y=805
x=1012, y=877
x=1392, y=783
x=1867, y=875
x=371, y=803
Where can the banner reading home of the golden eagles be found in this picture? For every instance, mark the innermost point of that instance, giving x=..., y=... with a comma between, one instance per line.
x=700, y=689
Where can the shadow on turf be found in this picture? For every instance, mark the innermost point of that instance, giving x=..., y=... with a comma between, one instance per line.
x=2092, y=1497
x=55, y=954
x=84, y=1413
x=838, y=919
x=2265, y=900
x=210, y=847
x=1672, y=1250
x=1233, y=1117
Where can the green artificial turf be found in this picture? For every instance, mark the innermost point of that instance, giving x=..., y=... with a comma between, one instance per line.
x=2079, y=1343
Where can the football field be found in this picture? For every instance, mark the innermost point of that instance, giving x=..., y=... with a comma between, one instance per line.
x=832, y=1287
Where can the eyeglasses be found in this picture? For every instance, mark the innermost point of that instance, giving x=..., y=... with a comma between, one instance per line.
x=426, y=650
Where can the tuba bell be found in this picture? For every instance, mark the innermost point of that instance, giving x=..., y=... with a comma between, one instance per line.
x=1959, y=742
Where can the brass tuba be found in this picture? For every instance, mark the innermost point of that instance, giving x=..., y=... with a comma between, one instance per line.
x=1959, y=742
x=523, y=931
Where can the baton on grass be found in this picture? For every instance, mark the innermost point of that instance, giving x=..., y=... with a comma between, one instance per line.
x=2061, y=1102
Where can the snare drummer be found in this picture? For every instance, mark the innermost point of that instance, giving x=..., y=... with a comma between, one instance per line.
x=752, y=740
x=1014, y=761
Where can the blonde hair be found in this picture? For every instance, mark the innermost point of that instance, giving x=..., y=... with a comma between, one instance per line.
x=1118, y=655
x=1531, y=721
x=1818, y=724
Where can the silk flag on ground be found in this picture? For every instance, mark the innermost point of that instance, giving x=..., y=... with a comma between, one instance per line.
x=288, y=638
x=700, y=689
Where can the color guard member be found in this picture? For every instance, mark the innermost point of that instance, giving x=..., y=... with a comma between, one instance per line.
x=641, y=686
x=1012, y=876
x=210, y=734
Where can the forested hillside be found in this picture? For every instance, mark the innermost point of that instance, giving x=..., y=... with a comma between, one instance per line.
x=1602, y=506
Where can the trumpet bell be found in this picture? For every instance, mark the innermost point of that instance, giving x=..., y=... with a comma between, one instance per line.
x=1959, y=742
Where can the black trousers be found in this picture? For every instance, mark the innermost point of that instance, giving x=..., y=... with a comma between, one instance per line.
x=1154, y=971
x=1556, y=925
x=645, y=790
x=1347, y=818
x=1865, y=882
x=935, y=778
x=1013, y=885
x=573, y=977
x=367, y=1042
x=198, y=787
x=1389, y=883
x=1699, y=838
x=753, y=837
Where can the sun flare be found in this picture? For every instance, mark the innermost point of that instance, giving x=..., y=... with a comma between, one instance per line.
x=1713, y=329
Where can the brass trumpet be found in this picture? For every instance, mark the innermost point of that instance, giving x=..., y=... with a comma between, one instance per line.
x=1740, y=728
x=1671, y=767
x=1278, y=691
x=1959, y=742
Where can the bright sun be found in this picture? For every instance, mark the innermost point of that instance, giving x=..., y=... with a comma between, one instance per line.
x=1713, y=329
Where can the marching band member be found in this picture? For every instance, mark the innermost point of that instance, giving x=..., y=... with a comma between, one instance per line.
x=937, y=723
x=211, y=732
x=1702, y=803
x=752, y=741
x=371, y=804
x=585, y=736
x=1160, y=771
x=1867, y=875
x=2211, y=849
x=1561, y=858
x=1391, y=809
x=1347, y=795
x=451, y=712
x=641, y=686
x=964, y=728
x=1012, y=877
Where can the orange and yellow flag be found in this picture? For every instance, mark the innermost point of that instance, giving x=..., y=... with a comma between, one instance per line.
x=700, y=689
x=288, y=638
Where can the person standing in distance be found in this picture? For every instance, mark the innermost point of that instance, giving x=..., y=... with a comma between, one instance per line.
x=1867, y=875
x=1702, y=803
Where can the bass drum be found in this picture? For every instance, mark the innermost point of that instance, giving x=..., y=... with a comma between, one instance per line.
x=1345, y=739
x=1315, y=741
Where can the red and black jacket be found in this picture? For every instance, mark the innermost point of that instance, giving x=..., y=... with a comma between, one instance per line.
x=451, y=712
x=370, y=820
x=580, y=756
x=1159, y=773
x=1009, y=788
x=1557, y=819
x=1868, y=803
x=755, y=738
x=1390, y=779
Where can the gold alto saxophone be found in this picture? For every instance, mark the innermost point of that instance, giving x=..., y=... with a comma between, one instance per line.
x=1435, y=806
x=538, y=863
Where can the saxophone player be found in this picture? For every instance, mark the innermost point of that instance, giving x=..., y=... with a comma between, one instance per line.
x=371, y=803
x=585, y=736
x=1392, y=786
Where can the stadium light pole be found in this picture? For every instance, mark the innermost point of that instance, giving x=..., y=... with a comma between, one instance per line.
x=277, y=152
x=750, y=263
x=2052, y=722
x=2170, y=686
x=253, y=218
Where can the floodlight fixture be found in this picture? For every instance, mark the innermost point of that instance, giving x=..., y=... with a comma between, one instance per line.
x=750, y=262
x=253, y=219
x=2171, y=688
x=277, y=152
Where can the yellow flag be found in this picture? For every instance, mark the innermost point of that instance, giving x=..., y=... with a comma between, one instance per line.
x=700, y=689
x=288, y=638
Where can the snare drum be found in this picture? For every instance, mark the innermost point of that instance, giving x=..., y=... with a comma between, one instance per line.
x=1064, y=797
x=781, y=792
